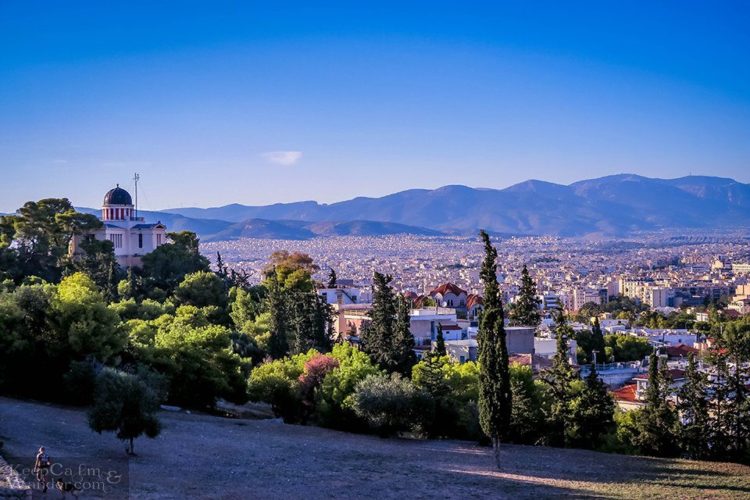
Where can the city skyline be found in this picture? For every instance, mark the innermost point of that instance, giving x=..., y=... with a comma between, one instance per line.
x=259, y=104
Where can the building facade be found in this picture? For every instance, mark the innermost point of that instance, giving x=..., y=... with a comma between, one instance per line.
x=131, y=236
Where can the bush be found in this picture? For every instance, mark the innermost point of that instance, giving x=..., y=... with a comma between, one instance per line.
x=626, y=347
x=334, y=397
x=278, y=383
x=316, y=368
x=392, y=404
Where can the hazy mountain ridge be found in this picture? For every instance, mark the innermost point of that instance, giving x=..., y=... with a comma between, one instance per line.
x=613, y=205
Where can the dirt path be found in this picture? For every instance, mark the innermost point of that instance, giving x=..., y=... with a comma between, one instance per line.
x=200, y=456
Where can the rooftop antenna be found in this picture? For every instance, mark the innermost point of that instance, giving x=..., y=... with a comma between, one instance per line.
x=136, y=178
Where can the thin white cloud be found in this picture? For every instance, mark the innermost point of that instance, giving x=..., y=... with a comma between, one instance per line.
x=285, y=158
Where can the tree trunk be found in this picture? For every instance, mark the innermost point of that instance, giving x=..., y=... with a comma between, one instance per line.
x=496, y=449
x=131, y=452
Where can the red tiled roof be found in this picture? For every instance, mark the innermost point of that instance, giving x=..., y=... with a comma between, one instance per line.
x=625, y=393
x=474, y=299
x=674, y=373
x=448, y=287
x=680, y=350
x=540, y=362
x=418, y=301
x=451, y=327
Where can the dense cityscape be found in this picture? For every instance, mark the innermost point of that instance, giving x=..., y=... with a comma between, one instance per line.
x=660, y=270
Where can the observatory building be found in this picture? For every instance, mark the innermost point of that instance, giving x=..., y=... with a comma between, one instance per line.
x=131, y=237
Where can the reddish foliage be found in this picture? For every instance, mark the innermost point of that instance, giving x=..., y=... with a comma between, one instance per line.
x=315, y=370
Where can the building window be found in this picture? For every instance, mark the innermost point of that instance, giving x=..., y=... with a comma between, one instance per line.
x=116, y=240
x=158, y=240
x=140, y=240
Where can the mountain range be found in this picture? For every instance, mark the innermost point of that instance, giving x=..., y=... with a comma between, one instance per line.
x=608, y=206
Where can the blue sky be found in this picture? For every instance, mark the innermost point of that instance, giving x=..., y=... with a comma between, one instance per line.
x=214, y=103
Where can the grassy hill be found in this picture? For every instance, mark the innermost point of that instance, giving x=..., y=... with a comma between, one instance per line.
x=200, y=456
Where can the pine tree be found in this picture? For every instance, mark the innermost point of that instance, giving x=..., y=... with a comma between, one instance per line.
x=559, y=378
x=525, y=310
x=495, y=394
x=693, y=407
x=592, y=413
x=221, y=268
x=403, y=341
x=377, y=338
x=657, y=420
x=440, y=342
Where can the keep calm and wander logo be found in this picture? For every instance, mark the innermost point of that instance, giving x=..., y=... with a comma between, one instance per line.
x=90, y=477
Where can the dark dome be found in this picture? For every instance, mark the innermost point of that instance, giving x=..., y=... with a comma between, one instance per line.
x=117, y=196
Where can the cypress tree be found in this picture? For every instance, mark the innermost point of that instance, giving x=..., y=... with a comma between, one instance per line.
x=332, y=278
x=597, y=339
x=404, y=357
x=440, y=342
x=495, y=395
x=525, y=310
x=693, y=407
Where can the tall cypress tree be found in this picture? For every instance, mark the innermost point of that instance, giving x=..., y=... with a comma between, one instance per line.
x=332, y=278
x=525, y=310
x=597, y=340
x=693, y=407
x=440, y=342
x=495, y=394
x=403, y=341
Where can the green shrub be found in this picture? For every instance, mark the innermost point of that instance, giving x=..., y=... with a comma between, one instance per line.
x=392, y=404
x=334, y=397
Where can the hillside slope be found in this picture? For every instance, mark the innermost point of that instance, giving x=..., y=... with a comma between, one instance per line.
x=199, y=456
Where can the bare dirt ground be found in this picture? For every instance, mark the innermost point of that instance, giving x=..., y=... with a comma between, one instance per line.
x=201, y=456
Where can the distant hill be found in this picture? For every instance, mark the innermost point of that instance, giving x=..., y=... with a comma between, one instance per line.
x=176, y=222
x=218, y=230
x=301, y=230
x=612, y=206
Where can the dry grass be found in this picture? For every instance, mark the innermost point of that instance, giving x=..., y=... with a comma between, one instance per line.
x=203, y=456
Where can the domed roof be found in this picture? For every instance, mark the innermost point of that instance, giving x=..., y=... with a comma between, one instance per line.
x=117, y=196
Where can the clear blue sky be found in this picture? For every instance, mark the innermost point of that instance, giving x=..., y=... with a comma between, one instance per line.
x=216, y=103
